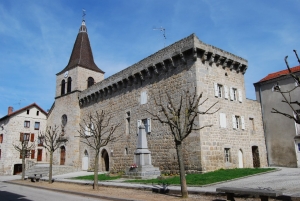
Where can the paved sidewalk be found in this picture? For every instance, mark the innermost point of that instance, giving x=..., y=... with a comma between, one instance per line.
x=286, y=180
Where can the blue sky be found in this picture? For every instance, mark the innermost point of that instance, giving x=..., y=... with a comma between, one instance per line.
x=37, y=37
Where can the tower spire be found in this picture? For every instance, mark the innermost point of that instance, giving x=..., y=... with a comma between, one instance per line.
x=82, y=52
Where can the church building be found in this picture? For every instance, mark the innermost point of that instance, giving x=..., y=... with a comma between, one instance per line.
x=236, y=138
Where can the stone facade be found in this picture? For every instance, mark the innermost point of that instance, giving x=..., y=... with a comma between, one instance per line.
x=12, y=125
x=235, y=139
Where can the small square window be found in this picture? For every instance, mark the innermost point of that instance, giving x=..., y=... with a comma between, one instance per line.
x=26, y=124
x=37, y=126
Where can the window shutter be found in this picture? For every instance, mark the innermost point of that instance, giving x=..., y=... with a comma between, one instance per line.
x=240, y=95
x=32, y=137
x=223, y=120
x=226, y=92
x=216, y=90
x=1, y=138
x=148, y=125
x=143, y=97
x=32, y=154
x=20, y=155
x=139, y=122
x=233, y=122
x=21, y=137
x=231, y=93
x=243, y=122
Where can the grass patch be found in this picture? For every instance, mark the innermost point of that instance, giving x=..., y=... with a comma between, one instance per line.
x=101, y=177
x=207, y=178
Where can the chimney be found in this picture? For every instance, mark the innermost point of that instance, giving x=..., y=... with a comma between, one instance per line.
x=10, y=110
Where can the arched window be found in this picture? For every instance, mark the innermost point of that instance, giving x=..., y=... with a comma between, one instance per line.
x=69, y=86
x=90, y=81
x=63, y=84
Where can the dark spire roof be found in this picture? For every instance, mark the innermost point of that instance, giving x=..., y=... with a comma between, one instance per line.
x=82, y=52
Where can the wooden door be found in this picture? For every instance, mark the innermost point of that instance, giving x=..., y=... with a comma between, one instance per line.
x=62, y=155
x=39, y=155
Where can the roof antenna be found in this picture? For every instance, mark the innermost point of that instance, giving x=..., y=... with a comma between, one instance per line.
x=83, y=14
x=164, y=33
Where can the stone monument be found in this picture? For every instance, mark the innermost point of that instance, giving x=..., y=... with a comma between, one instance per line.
x=142, y=167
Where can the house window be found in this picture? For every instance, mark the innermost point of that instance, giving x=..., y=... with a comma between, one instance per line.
x=227, y=155
x=220, y=89
x=32, y=154
x=37, y=113
x=127, y=122
x=26, y=124
x=27, y=111
x=1, y=138
x=69, y=85
x=37, y=126
x=24, y=137
x=63, y=84
x=40, y=141
x=237, y=122
x=143, y=97
x=234, y=91
x=90, y=82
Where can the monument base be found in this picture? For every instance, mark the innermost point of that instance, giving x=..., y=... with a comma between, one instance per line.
x=142, y=172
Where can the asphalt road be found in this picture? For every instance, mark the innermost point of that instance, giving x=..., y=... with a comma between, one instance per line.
x=11, y=192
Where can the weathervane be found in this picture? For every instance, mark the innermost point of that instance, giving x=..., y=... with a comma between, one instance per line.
x=164, y=33
x=83, y=14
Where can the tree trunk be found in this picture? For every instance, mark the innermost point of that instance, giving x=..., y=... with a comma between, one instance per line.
x=96, y=186
x=50, y=167
x=23, y=164
x=184, y=192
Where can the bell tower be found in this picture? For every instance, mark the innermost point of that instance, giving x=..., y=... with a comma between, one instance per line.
x=81, y=71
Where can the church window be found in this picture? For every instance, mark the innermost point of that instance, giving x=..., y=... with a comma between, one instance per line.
x=227, y=155
x=69, y=85
x=143, y=97
x=90, y=82
x=63, y=83
x=127, y=122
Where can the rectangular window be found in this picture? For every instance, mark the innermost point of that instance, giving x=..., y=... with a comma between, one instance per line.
x=40, y=141
x=24, y=137
x=252, y=125
x=1, y=138
x=222, y=120
x=37, y=113
x=227, y=155
x=37, y=126
x=143, y=97
x=127, y=122
x=218, y=90
x=32, y=154
x=238, y=122
x=26, y=124
x=27, y=111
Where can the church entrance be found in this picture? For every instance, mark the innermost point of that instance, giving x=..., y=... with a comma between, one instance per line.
x=85, y=161
x=105, y=160
x=62, y=155
x=255, y=155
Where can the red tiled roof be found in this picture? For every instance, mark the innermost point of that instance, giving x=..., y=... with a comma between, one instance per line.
x=279, y=73
x=25, y=108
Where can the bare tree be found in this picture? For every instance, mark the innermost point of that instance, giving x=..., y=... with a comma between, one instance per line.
x=24, y=148
x=96, y=132
x=287, y=95
x=180, y=118
x=52, y=139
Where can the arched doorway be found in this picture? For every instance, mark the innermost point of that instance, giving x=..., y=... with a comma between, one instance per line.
x=241, y=161
x=85, y=161
x=105, y=160
x=62, y=155
x=255, y=155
